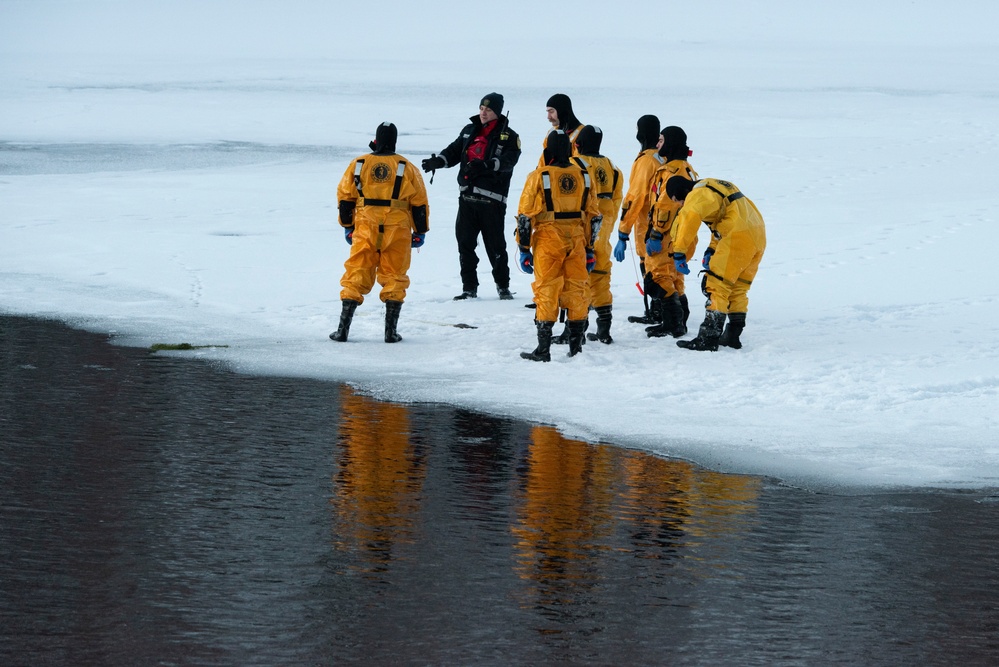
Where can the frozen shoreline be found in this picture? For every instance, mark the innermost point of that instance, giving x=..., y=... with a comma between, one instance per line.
x=190, y=197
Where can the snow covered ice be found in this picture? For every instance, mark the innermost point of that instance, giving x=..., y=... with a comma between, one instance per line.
x=170, y=175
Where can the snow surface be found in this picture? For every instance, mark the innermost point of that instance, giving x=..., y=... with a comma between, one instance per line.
x=168, y=173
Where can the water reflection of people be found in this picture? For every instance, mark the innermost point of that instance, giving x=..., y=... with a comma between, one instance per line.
x=378, y=480
x=482, y=449
x=582, y=506
x=669, y=504
x=564, y=515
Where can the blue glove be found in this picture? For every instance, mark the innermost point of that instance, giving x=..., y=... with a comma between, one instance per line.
x=706, y=260
x=591, y=261
x=526, y=261
x=622, y=245
x=681, y=263
x=419, y=240
x=654, y=245
x=348, y=233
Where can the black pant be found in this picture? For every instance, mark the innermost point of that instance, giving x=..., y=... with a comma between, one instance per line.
x=481, y=217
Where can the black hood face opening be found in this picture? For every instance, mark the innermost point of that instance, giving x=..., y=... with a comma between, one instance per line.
x=648, y=131
x=674, y=144
x=385, y=138
x=558, y=149
x=589, y=139
x=563, y=107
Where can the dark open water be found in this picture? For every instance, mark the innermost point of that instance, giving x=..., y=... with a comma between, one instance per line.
x=156, y=510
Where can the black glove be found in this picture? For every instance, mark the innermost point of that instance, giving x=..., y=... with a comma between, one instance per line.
x=432, y=163
x=475, y=168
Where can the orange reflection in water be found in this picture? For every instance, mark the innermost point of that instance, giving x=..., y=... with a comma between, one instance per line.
x=565, y=506
x=580, y=503
x=377, y=482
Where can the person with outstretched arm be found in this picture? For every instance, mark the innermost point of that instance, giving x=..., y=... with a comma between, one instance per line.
x=485, y=152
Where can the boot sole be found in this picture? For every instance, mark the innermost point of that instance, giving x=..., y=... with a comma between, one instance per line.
x=696, y=348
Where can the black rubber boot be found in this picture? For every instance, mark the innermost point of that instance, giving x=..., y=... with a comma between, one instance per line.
x=730, y=337
x=603, y=326
x=543, y=351
x=346, y=316
x=671, y=323
x=562, y=338
x=392, y=309
x=653, y=313
x=686, y=312
x=656, y=310
x=577, y=329
x=650, y=292
x=647, y=318
x=708, y=335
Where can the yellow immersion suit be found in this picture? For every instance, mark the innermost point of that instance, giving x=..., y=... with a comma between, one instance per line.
x=608, y=184
x=385, y=188
x=738, y=239
x=661, y=216
x=560, y=204
x=635, y=208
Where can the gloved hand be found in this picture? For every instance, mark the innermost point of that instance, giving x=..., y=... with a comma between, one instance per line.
x=654, y=245
x=622, y=245
x=527, y=261
x=706, y=260
x=475, y=168
x=348, y=233
x=680, y=260
x=432, y=163
x=419, y=240
x=591, y=260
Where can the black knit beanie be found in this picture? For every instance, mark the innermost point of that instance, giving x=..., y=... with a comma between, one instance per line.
x=494, y=101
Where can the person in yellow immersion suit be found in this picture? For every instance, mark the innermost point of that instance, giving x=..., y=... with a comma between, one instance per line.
x=608, y=183
x=738, y=240
x=635, y=207
x=384, y=215
x=561, y=116
x=663, y=284
x=557, y=223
